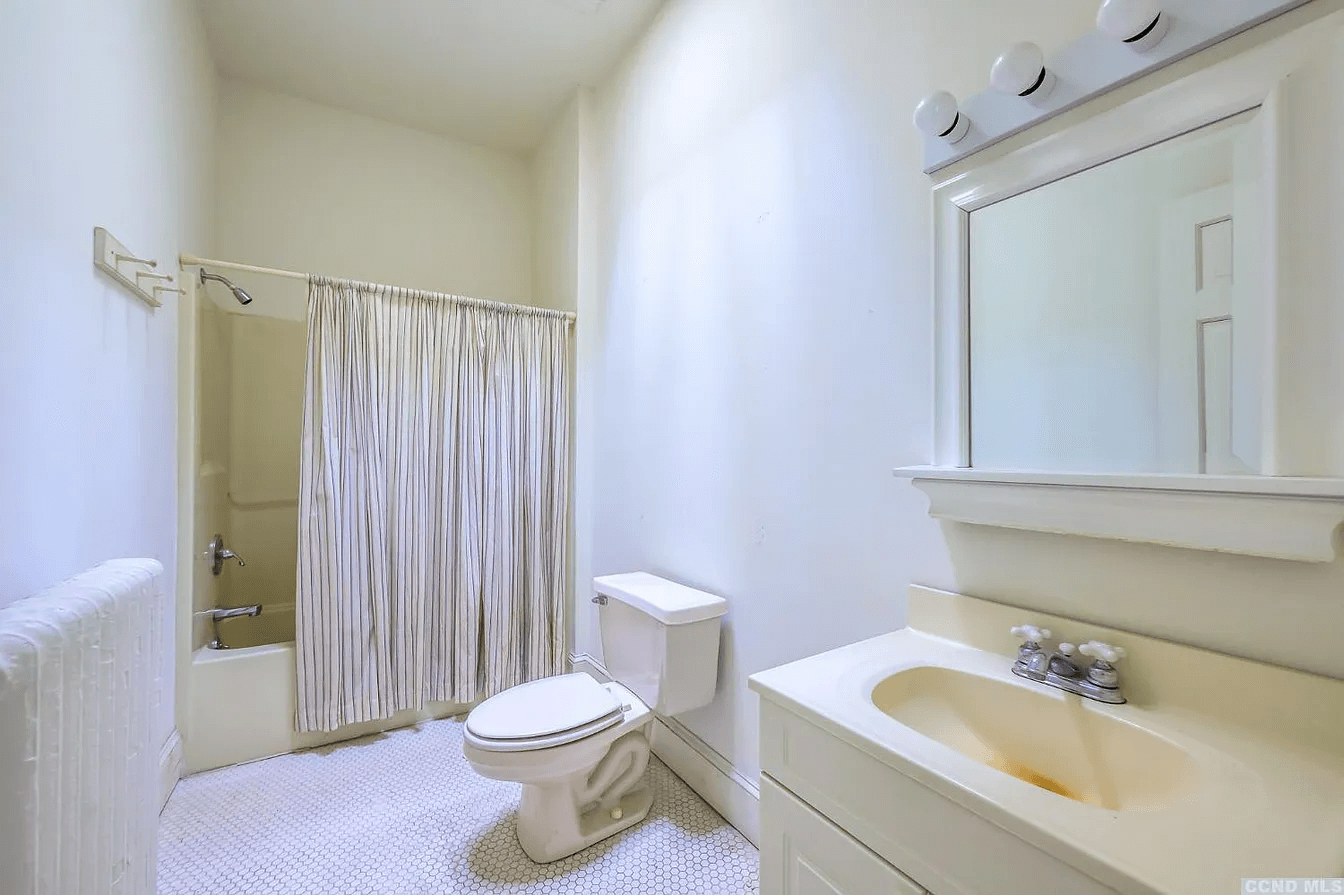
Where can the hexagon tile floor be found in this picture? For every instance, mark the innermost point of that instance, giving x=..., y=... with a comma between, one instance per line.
x=402, y=813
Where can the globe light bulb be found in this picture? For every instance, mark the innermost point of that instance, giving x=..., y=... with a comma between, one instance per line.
x=937, y=116
x=1140, y=24
x=1020, y=71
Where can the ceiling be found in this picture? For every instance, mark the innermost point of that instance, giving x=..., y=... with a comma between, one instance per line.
x=491, y=72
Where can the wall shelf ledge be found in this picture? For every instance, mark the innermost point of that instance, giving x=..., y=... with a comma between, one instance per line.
x=1278, y=517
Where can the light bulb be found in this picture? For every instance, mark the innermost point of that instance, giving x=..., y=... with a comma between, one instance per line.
x=1141, y=24
x=1020, y=71
x=937, y=116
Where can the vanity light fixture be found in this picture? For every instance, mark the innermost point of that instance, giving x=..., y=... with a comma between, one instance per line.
x=1020, y=71
x=937, y=115
x=1139, y=24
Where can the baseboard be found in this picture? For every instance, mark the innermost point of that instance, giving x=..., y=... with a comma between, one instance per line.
x=172, y=762
x=710, y=774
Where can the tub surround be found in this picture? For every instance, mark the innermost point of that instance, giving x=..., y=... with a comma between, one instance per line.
x=1264, y=795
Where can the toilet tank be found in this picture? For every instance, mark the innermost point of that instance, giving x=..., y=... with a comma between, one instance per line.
x=660, y=639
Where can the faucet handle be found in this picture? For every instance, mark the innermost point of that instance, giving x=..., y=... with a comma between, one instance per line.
x=1031, y=633
x=1102, y=652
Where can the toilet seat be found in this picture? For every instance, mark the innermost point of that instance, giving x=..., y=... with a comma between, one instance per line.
x=542, y=714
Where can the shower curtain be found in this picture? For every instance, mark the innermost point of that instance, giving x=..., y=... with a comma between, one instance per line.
x=432, y=502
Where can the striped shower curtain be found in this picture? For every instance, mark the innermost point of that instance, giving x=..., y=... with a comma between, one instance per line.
x=432, y=503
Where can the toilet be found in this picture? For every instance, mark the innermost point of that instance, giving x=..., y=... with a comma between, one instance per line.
x=580, y=747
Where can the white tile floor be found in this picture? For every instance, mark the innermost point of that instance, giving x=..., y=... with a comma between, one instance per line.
x=403, y=812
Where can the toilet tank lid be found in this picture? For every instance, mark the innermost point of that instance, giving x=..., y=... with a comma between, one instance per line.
x=667, y=601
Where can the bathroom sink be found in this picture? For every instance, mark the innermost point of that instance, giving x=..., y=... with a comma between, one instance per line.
x=918, y=743
x=1053, y=740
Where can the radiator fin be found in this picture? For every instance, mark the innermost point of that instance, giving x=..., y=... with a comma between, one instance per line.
x=80, y=679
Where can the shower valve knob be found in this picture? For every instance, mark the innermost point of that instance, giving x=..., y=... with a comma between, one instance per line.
x=217, y=553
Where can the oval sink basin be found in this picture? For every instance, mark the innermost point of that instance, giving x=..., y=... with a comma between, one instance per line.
x=1051, y=740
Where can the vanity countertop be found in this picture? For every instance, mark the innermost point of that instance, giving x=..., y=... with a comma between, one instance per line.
x=1267, y=744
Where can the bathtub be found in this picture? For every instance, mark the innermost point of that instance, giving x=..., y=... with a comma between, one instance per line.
x=244, y=702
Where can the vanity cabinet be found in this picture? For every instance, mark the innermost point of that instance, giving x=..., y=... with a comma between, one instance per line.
x=834, y=819
x=802, y=853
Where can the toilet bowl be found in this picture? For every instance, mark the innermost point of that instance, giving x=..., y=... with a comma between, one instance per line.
x=581, y=784
x=579, y=747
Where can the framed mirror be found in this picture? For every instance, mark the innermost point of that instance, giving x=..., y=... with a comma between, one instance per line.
x=1138, y=325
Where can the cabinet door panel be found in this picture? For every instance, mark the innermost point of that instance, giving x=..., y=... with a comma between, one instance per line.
x=802, y=853
x=948, y=848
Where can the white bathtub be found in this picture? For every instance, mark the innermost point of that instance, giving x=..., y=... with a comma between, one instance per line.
x=244, y=702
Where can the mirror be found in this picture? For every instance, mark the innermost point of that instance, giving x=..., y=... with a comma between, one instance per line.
x=1117, y=316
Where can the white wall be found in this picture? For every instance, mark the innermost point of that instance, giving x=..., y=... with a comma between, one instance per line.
x=108, y=116
x=557, y=188
x=555, y=211
x=756, y=324
x=763, y=290
x=309, y=188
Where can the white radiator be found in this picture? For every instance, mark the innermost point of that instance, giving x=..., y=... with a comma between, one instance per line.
x=79, y=766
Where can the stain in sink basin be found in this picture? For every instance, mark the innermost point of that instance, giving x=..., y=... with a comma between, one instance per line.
x=1035, y=778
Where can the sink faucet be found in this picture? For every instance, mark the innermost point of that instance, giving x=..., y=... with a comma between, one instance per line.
x=1059, y=668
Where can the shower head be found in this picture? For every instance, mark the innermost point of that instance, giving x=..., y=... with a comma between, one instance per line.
x=238, y=292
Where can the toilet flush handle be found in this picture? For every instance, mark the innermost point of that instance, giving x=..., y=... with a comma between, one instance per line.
x=600, y=599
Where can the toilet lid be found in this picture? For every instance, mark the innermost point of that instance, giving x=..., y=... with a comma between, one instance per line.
x=545, y=707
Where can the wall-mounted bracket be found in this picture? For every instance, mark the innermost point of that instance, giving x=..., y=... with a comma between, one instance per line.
x=127, y=268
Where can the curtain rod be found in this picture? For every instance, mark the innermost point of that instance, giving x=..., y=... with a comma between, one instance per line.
x=185, y=260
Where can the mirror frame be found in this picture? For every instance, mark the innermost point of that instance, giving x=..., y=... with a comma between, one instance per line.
x=1275, y=515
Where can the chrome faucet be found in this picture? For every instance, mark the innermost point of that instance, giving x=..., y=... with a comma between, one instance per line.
x=217, y=553
x=237, y=612
x=1059, y=669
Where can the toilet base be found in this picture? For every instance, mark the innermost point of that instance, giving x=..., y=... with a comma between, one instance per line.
x=544, y=843
x=557, y=818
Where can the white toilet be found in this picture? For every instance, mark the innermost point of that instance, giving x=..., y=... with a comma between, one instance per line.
x=579, y=747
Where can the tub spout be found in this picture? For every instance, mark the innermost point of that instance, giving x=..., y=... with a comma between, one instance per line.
x=236, y=613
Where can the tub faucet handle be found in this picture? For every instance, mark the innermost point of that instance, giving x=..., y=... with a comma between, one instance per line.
x=217, y=553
